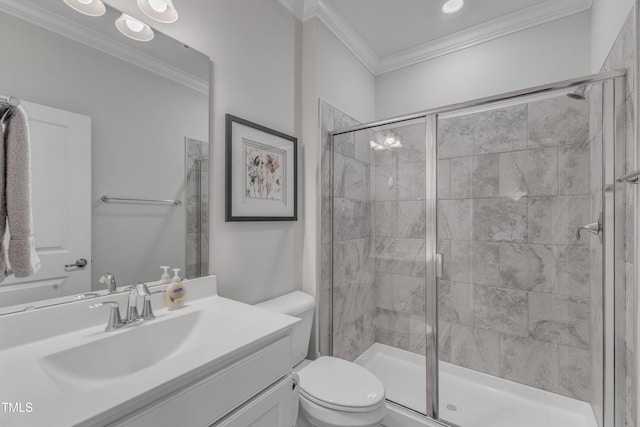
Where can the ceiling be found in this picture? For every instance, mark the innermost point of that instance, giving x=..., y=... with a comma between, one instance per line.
x=390, y=34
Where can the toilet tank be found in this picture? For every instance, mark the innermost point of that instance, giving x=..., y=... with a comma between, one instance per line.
x=300, y=305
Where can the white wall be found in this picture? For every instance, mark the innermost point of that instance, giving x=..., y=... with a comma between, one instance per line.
x=551, y=52
x=256, y=53
x=607, y=18
x=341, y=78
x=311, y=156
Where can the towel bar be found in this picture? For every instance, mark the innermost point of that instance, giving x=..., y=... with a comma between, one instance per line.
x=108, y=199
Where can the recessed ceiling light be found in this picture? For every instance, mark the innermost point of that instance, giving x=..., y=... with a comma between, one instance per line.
x=134, y=29
x=87, y=7
x=452, y=6
x=160, y=10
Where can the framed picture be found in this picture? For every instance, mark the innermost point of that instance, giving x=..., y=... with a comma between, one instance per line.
x=261, y=173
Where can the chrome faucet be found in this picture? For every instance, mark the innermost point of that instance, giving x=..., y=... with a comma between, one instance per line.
x=132, y=318
x=109, y=280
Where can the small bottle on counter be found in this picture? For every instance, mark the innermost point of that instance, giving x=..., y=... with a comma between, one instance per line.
x=165, y=278
x=175, y=292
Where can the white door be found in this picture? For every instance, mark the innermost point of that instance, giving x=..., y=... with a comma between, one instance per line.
x=61, y=180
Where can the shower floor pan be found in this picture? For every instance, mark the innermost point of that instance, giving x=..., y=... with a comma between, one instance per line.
x=467, y=398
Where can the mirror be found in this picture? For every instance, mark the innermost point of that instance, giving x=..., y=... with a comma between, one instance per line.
x=119, y=134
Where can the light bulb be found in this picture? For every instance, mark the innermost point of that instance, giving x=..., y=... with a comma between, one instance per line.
x=389, y=141
x=135, y=26
x=160, y=10
x=132, y=28
x=158, y=5
x=452, y=6
x=87, y=7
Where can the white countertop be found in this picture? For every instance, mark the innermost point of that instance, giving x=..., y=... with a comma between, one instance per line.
x=23, y=378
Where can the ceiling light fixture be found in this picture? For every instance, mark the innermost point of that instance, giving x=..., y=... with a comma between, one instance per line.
x=160, y=10
x=87, y=7
x=392, y=141
x=134, y=29
x=452, y=6
x=377, y=146
x=389, y=141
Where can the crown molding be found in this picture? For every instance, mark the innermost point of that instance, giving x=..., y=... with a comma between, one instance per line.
x=341, y=28
x=542, y=13
x=40, y=16
x=296, y=7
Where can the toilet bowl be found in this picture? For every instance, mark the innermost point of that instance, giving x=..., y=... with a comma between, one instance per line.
x=332, y=392
x=335, y=393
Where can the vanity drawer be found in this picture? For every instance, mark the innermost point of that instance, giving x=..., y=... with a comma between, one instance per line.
x=208, y=400
x=271, y=408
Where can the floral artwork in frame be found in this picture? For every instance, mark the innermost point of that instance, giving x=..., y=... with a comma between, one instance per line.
x=261, y=173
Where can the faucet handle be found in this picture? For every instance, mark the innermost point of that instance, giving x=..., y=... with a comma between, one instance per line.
x=147, y=310
x=115, y=321
x=132, y=303
x=142, y=289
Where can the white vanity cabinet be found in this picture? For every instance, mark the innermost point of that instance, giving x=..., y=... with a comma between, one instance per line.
x=215, y=362
x=272, y=408
x=254, y=390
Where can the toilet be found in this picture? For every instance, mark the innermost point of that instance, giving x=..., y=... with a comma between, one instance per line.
x=332, y=392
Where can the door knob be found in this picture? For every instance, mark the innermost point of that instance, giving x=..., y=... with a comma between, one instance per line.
x=81, y=263
x=593, y=228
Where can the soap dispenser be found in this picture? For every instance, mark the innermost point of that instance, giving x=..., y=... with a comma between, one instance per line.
x=175, y=292
x=165, y=278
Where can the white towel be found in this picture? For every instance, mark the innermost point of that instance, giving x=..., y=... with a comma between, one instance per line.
x=16, y=216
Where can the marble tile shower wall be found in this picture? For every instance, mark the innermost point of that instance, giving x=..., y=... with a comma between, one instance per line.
x=378, y=240
x=623, y=55
x=399, y=239
x=346, y=240
x=513, y=188
x=197, y=205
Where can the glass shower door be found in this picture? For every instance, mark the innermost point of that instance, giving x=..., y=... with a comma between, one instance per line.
x=520, y=294
x=379, y=235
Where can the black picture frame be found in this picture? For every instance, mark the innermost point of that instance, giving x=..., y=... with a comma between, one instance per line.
x=234, y=127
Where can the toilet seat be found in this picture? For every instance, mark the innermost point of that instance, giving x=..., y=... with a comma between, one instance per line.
x=334, y=407
x=339, y=385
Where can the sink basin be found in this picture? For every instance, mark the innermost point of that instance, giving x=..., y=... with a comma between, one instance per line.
x=125, y=352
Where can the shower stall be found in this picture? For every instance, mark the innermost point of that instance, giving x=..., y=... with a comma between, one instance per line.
x=473, y=257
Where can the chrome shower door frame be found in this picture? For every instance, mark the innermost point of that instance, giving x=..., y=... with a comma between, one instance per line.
x=433, y=266
x=613, y=253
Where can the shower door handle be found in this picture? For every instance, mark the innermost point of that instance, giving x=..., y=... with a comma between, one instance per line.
x=593, y=228
x=439, y=266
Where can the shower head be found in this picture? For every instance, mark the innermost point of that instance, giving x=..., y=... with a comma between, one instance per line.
x=578, y=93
